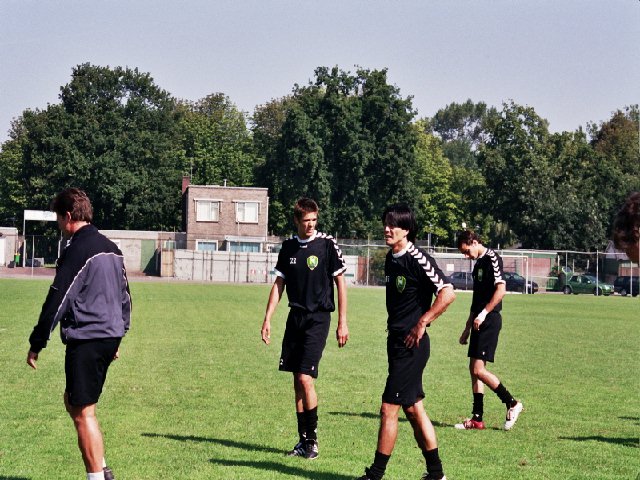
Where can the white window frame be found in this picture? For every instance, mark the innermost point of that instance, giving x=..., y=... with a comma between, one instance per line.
x=212, y=210
x=244, y=219
x=213, y=242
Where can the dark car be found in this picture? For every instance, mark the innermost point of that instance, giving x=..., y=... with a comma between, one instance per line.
x=624, y=286
x=516, y=283
x=461, y=280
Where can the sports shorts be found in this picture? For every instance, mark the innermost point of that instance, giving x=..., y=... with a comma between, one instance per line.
x=304, y=340
x=85, y=365
x=404, y=382
x=483, y=342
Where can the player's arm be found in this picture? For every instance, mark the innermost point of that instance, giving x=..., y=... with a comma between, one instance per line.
x=342, y=332
x=464, y=336
x=445, y=297
x=54, y=308
x=496, y=298
x=274, y=298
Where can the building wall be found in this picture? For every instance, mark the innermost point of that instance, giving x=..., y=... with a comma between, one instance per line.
x=235, y=267
x=8, y=245
x=227, y=225
x=140, y=248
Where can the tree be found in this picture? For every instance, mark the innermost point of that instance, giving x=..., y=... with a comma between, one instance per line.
x=115, y=135
x=437, y=211
x=345, y=140
x=217, y=144
x=518, y=174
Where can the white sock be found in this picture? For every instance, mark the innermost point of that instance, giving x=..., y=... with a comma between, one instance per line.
x=96, y=476
x=104, y=462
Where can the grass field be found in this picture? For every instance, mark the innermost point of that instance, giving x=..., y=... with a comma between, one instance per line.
x=196, y=395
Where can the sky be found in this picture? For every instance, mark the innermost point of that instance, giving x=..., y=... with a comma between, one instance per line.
x=574, y=62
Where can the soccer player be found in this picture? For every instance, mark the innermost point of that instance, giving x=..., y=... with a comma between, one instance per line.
x=412, y=278
x=90, y=299
x=309, y=263
x=626, y=227
x=484, y=324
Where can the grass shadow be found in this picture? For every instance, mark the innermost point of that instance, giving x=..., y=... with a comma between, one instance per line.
x=218, y=441
x=294, y=472
x=633, y=442
x=375, y=416
x=13, y=478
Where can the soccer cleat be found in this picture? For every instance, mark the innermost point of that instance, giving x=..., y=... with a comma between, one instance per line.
x=429, y=476
x=470, y=424
x=311, y=449
x=512, y=415
x=108, y=474
x=297, y=451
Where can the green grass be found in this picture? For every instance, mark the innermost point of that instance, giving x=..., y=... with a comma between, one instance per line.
x=196, y=395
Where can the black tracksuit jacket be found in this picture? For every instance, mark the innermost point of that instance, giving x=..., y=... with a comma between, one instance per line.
x=89, y=295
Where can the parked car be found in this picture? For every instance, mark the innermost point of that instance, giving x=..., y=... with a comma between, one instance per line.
x=624, y=286
x=461, y=280
x=587, y=284
x=516, y=283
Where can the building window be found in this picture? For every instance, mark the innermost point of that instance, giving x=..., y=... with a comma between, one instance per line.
x=207, y=245
x=244, y=247
x=247, y=212
x=207, y=210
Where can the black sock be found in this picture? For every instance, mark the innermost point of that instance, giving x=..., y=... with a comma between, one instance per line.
x=478, y=406
x=376, y=471
x=434, y=465
x=505, y=396
x=302, y=425
x=311, y=424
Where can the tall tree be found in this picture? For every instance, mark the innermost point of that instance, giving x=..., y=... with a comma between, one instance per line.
x=217, y=142
x=346, y=140
x=115, y=135
x=438, y=212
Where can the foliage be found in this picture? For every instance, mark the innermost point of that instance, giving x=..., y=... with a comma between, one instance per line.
x=438, y=210
x=346, y=141
x=217, y=145
x=114, y=135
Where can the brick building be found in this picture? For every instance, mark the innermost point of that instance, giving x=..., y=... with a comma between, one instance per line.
x=225, y=218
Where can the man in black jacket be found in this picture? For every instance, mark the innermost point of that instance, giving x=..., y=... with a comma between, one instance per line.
x=90, y=299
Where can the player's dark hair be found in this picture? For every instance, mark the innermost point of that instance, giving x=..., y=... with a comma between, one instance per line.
x=303, y=206
x=466, y=237
x=400, y=215
x=626, y=224
x=74, y=201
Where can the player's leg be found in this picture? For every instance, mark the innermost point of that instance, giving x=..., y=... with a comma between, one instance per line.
x=89, y=435
x=387, y=435
x=425, y=436
x=86, y=366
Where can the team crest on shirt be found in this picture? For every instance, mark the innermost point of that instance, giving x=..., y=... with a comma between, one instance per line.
x=312, y=262
x=480, y=271
x=401, y=282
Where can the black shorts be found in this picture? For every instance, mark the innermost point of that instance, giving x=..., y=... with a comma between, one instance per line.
x=483, y=342
x=85, y=365
x=404, y=383
x=304, y=340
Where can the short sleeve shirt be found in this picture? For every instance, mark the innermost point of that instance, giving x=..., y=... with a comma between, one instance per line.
x=487, y=273
x=412, y=279
x=308, y=268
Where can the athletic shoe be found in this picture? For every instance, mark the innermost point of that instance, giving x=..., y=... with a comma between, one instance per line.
x=512, y=415
x=311, y=449
x=470, y=424
x=297, y=451
x=429, y=476
x=108, y=474
x=365, y=476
